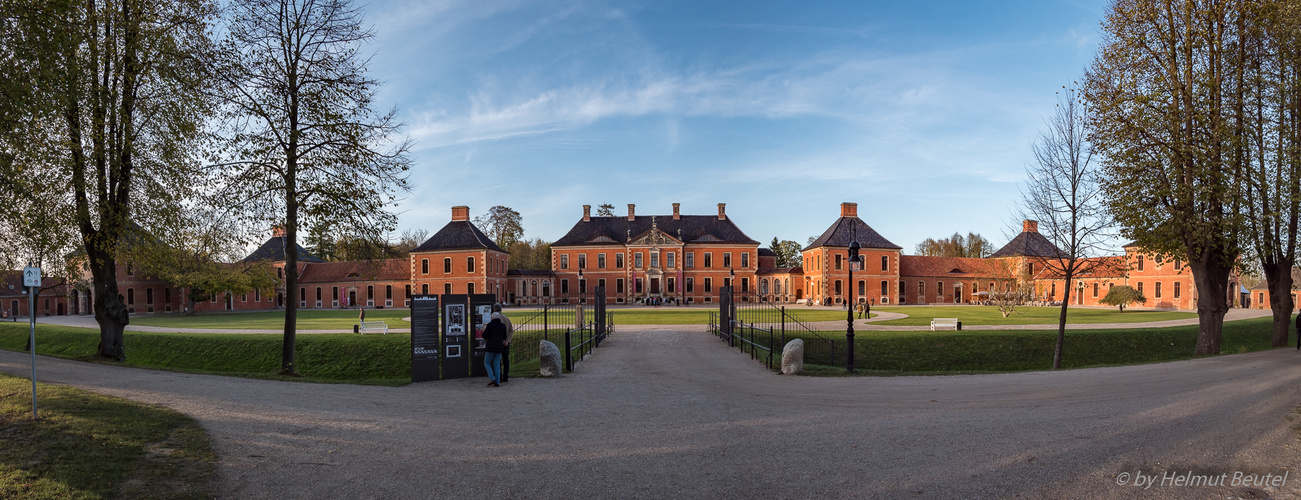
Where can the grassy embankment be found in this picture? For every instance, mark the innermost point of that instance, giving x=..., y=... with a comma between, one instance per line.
x=86, y=445
x=358, y=359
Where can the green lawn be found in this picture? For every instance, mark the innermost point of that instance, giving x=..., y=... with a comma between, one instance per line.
x=1026, y=315
x=912, y=352
x=918, y=316
x=344, y=320
x=86, y=445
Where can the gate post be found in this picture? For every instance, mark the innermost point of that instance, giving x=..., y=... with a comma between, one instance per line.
x=569, y=358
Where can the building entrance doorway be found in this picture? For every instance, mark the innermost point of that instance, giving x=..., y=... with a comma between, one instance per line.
x=230, y=302
x=352, y=298
x=655, y=285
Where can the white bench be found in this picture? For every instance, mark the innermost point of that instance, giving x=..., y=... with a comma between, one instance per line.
x=374, y=327
x=944, y=323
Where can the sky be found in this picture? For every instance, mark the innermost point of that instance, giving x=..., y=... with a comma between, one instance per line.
x=921, y=112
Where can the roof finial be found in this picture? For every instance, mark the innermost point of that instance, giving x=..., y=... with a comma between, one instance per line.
x=654, y=225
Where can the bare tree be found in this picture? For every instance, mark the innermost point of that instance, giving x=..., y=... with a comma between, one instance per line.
x=306, y=145
x=1012, y=284
x=1063, y=193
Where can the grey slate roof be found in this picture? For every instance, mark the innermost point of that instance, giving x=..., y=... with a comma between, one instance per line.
x=845, y=229
x=458, y=235
x=274, y=250
x=1029, y=244
x=616, y=230
x=765, y=252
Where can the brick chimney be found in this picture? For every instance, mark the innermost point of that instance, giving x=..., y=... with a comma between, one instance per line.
x=1030, y=226
x=722, y=211
x=849, y=209
x=632, y=212
x=460, y=213
x=676, y=214
x=277, y=231
x=587, y=213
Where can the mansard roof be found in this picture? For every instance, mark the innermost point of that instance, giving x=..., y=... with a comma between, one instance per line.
x=620, y=230
x=1029, y=244
x=845, y=230
x=458, y=235
x=274, y=250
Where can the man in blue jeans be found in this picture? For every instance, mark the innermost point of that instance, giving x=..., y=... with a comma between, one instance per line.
x=494, y=339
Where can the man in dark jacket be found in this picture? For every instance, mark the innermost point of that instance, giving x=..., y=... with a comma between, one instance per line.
x=494, y=338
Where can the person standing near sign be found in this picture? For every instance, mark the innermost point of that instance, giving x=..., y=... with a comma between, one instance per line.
x=510, y=335
x=494, y=338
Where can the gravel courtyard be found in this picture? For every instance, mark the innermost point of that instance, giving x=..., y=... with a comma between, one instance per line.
x=663, y=412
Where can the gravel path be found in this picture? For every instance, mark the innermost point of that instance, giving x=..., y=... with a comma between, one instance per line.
x=669, y=413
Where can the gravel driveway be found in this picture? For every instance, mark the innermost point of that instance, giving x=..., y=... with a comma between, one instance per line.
x=668, y=413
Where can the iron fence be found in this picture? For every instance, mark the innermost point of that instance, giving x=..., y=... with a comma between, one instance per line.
x=760, y=328
x=556, y=323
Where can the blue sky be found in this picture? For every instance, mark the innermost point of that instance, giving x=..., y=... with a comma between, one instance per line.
x=921, y=112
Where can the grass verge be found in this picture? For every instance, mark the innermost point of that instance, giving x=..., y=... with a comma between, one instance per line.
x=87, y=445
x=357, y=359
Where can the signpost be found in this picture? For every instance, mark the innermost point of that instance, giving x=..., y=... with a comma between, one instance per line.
x=32, y=280
x=425, y=347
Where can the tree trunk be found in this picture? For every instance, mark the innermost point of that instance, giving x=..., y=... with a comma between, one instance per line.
x=1278, y=277
x=110, y=312
x=288, y=364
x=1212, y=281
x=1061, y=323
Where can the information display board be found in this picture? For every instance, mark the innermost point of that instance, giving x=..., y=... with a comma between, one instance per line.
x=425, y=345
x=481, y=314
x=456, y=346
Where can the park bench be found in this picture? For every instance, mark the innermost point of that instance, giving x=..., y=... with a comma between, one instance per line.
x=374, y=327
x=944, y=323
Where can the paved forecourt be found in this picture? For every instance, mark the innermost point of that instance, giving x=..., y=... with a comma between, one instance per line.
x=671, y=412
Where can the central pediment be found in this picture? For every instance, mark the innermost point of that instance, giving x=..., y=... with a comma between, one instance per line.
x=654, y=237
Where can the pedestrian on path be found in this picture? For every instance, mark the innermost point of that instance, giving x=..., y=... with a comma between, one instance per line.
x=867, y=309
x=494, y=335
x=510, y=335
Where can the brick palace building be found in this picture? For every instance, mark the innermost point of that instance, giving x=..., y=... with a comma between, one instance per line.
x=668, y=257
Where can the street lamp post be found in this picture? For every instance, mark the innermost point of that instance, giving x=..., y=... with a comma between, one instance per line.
x=854, y=261
x=582, y=287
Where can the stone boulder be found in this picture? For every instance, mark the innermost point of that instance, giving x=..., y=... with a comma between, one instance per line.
x=549, y=359
x=793, y=357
